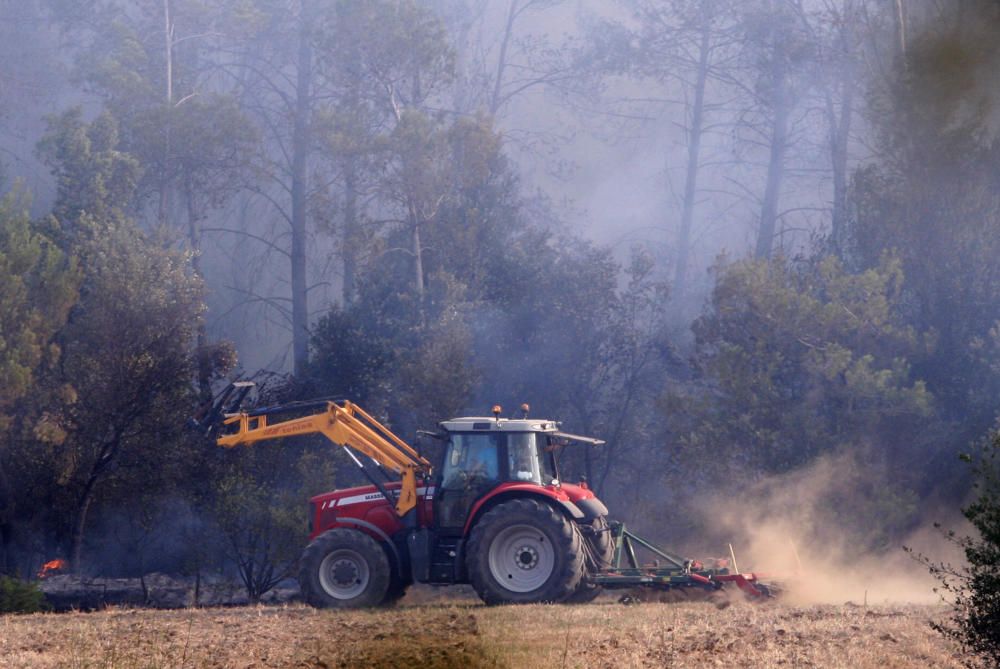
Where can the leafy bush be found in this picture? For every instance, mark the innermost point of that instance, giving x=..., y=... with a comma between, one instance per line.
x=263, y=520
x=974, y=588
x=18, y=596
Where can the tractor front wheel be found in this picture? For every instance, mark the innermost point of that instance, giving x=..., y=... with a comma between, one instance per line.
x=524, y=552
x=344, y=569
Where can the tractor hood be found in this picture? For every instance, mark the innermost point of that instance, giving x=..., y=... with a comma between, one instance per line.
x=344, y=496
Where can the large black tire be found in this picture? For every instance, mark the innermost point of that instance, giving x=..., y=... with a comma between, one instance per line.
x=600, y=551
x=396, y=591
x=344, y=569
x=524, y=552
x=397, y=583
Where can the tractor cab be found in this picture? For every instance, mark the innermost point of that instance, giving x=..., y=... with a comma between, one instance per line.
x=489, y=456
x=504, y=450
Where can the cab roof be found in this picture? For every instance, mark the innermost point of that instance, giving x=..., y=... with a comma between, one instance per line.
x=488, y=423
x=485, y=424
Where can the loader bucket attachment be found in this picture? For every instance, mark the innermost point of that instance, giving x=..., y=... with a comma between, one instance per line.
x=209, y=417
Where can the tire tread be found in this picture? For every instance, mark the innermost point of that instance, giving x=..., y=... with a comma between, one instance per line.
x=569, y=552
x=342, y=537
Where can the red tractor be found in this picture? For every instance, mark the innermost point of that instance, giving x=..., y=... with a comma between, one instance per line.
x=494, y=514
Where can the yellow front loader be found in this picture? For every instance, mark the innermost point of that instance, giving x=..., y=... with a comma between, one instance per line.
x=346, y=425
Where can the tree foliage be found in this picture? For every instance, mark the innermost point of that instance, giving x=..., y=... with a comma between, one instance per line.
x=797, y=360
x=127, y=347
x=929, y=198
x=38, y=285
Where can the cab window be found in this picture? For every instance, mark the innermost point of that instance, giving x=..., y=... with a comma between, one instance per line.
x=471, y=458
x=522, y=454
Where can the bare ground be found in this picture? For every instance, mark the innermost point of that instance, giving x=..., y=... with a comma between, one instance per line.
x=466, y=634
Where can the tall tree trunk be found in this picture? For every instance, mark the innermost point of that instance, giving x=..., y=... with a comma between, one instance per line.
x=417, y=219
x=163, y=206
x=502, y=58
x=7, y=548
x=900, y=20
x=109, y=450
x=6, y=523
x=168, y=35
x=352, y=236
x=691, y=176
x=776, y=161
x=80, y=523
x=352, y=232
x=300, y=163
x=418, y=258
x=201, y=338
x=840, y=129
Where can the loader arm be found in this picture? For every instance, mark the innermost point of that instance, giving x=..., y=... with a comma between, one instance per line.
x=345, y=424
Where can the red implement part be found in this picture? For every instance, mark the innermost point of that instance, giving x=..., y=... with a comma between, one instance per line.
x=745, y=582
x=698, y=578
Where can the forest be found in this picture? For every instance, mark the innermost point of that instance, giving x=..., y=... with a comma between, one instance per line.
x=754, y=246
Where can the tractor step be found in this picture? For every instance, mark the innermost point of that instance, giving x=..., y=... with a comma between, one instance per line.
x=443, y=560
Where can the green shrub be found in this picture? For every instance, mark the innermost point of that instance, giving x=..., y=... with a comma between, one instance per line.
x=18, y=596
x=974, y=588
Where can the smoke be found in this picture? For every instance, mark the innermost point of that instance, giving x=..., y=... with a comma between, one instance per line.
x=829, y=534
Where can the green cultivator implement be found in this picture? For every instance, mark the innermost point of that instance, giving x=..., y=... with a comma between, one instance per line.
x=667, y=571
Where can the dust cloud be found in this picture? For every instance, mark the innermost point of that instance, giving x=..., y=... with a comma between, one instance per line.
x=825, y=534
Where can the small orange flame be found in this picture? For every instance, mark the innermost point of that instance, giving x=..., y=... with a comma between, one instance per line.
x=51, y=566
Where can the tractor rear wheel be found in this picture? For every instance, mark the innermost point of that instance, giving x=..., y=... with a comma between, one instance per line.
x=345, y=569
x=600, y=551
x=524, y=552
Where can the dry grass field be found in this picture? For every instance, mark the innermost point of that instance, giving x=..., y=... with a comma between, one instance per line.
x=466, y=634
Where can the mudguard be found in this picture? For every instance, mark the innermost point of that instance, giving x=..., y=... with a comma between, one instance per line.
x=372, y=529
x=592, y=508
x=552, y=494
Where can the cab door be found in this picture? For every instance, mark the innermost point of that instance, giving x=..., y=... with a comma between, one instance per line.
x=471, y=469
